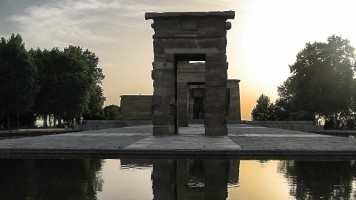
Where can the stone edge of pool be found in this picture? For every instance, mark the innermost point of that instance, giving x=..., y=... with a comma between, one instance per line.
x=246, y=142
x=242, y=154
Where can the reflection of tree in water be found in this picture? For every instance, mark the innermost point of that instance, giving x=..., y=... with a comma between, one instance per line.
x=319, y=179
x=50, y=179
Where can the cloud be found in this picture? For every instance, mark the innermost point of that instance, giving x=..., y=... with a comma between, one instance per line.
x=64, y=22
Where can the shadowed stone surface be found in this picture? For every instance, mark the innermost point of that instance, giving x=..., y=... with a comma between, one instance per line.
x=80, y=141
x=186, y=142
x=292, y=143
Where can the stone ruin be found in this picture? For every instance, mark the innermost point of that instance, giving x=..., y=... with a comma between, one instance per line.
x=182, y=38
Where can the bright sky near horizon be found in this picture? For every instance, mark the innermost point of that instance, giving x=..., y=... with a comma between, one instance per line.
x=266, y=36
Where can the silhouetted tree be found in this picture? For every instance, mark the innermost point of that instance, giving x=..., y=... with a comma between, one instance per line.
x=96, y=102
x=61, y=84
x=75, y=83
x=18, y=78
x=264, y=109
x=70, y=84
x=112, y=112
x=45, y=100
x=96, y=97
x=321, y=80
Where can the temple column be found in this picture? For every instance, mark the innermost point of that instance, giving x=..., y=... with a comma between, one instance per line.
x=164, y=103
x=215, y=94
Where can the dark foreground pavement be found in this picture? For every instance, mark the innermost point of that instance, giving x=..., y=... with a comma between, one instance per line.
x=243, y=141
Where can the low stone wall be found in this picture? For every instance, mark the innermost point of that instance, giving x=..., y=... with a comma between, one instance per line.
x=106, y=124
x=305, y=126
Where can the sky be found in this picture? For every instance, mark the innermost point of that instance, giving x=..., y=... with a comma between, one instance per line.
x=265, y=37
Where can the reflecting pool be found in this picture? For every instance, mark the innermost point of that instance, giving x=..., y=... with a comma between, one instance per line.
x=176, y=179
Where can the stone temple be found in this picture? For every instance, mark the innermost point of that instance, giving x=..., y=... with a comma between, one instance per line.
x=189, y=74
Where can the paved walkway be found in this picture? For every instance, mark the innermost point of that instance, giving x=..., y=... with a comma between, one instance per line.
x=243, y=141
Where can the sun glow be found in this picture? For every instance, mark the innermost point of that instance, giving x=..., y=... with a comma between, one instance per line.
x=254, y=177
x=267, y=35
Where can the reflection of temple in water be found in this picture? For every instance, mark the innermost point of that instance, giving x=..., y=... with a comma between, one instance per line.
x=190, y=179
x=193, y=179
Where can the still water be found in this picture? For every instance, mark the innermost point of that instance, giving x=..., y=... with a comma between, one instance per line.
x=176, y=179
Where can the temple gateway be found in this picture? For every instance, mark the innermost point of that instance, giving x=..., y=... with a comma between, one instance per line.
x=189, y=75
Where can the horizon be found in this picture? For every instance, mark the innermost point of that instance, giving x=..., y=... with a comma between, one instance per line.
x=264, y=39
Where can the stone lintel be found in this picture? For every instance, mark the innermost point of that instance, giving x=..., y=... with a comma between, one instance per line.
x=215, y=101
x=215, y=91
x=174, y=46
x=234, y=81
x=222, y=14
x=186, y=34
x=193, y=50
x=211, y=66
x=215, y=57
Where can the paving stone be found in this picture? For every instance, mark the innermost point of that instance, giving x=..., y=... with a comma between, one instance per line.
x=138, y=140
x=185, y=142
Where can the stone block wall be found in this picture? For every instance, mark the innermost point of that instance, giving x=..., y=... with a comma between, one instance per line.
x=135, y=107
x=234, y=106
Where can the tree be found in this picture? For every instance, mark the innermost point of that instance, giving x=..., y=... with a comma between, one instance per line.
x=18, y=78
x=46, y=98
x=96, y=102
x=112, y=112
x=70, y=84
x=264, y=109
x=286, y=106
x=321, y=79
x=75, y=83
x=59, y=84
x=95, y=73
x=64, y=83
x=96, y=97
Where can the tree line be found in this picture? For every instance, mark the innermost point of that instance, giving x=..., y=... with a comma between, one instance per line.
x=322, y=85
x=54, y=85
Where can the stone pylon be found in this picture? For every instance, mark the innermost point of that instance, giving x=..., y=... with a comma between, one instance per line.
x=189, y=36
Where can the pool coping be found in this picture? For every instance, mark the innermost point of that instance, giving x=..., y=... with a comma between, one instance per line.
x=243, y=142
